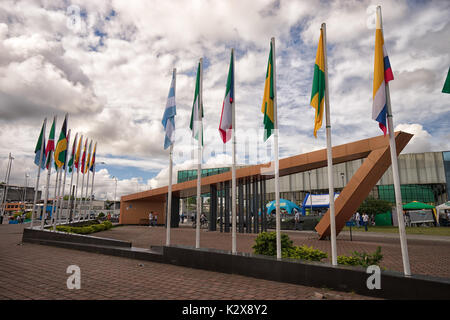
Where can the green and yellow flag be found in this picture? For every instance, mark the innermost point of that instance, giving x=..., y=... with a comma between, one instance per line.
x=267, y=107
x=446, y=88
x=61, y=146
x=318, y=87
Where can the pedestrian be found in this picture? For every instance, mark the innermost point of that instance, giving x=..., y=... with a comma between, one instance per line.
x=150, y=219
x=296, y=219
x=357, y=219
x=365, y=220
x=155, y=219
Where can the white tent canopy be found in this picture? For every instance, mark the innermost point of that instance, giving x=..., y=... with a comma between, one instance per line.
x=442, y=207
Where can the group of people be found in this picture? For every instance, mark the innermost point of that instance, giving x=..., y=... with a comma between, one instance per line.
x=362, y=220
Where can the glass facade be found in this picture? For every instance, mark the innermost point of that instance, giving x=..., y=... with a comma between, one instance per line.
x=411, y=192
x=446, y=157
x=188, y=175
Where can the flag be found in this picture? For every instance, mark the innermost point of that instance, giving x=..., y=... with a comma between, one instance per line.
x=197, y=110
x=93, y=158
x=88, y=161
x=61, y=146
x=77, y=155
x=168, y=120
x=225, y=125
x=50, y=144
x=83, y=158
x=446, y=88
x=39, y=147
x=318, y=87
x=72, y=156
x=382, y=74
x=267, y=105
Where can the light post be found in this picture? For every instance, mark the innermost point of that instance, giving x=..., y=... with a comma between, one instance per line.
x=343, y=176
x=115, y=189
x=25, y=192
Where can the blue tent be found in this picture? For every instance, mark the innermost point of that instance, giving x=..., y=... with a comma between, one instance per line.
x=284, y=204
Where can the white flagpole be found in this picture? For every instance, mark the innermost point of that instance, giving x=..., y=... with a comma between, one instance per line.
x=277, y=166
x=398, y=194
x=199, y=165
x=87, y=188
x=329, y=154
x=71, y=176
x=44, y=211
x=169, y=193
x=61, y=201
x=55, y=204
x=233, y=166
x=76, y=188
x=93, y=176
x=82, y=186
x=39, y=173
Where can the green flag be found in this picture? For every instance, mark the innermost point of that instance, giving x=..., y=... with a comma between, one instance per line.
x=197, y=110
x=61, y=147
x=446, y=88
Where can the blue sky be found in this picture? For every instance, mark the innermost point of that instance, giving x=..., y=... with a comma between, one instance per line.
x=109, y=63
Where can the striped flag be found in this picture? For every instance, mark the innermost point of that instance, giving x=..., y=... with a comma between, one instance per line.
x=197, y=110
x=83, y=157
x=225, y=125
x=168, y=120
x=88, y=161
x=267, y=107
x=50, y=144
x=77, y=155
x=61, y=146
x=318, y=87
x=446, y=88
x=382, y=74
x=39, y=147
x=93, y=158
x=72, y=157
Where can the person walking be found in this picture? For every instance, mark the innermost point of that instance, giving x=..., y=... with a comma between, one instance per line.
x=150, y=219
x=296, y=219
x=365, y=220
x=357, y=219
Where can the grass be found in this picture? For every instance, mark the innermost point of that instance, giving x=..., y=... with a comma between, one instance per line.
x=432, y=231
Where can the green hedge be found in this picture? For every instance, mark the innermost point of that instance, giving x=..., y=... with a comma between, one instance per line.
x=265, y=244
x=361, y=258
x=86, y=229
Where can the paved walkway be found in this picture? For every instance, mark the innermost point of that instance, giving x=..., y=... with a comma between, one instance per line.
x=429, y=255
x=32, y=271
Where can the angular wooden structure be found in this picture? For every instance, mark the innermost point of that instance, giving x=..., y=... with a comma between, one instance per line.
x=136, y=207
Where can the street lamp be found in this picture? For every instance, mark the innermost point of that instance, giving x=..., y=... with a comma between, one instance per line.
x=115, y=190
x=342, y=176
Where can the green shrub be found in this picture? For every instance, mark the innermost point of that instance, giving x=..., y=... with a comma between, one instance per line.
x=64, y=228
x=28, y=215
x=98, y=227
x=265, y=243
x=362, y=258
x=107, y=224
x=307, y=253
x=101, y=215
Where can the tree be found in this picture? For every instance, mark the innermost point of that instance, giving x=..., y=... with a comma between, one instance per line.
x=374, y=206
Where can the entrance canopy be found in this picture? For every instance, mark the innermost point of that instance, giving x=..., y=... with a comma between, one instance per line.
x=284, y=204
x=317, y=201
x=416, y=205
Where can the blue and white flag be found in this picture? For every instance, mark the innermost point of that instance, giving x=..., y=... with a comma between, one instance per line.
x=168, y=120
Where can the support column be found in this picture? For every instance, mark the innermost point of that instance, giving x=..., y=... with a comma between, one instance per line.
x=221, y=192
x=241, y=205
x=261, y=204
x=175, y=212
x=255, y=205
x=227, y=206
x=213, y=207
x=248, y=221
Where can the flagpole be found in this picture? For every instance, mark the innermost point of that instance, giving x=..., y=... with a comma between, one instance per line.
x=39, y=172
x=64, y=180
x=394, y=161
x=329, y=153
x=275, y=140
x=93, y=176
x=82, y=187
x=199, y=165
x=58, y=171
x=44, y=212
x=87, y=189
x=233, y=165
x=71, y=175
x=169, y=192
x=78, y=174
